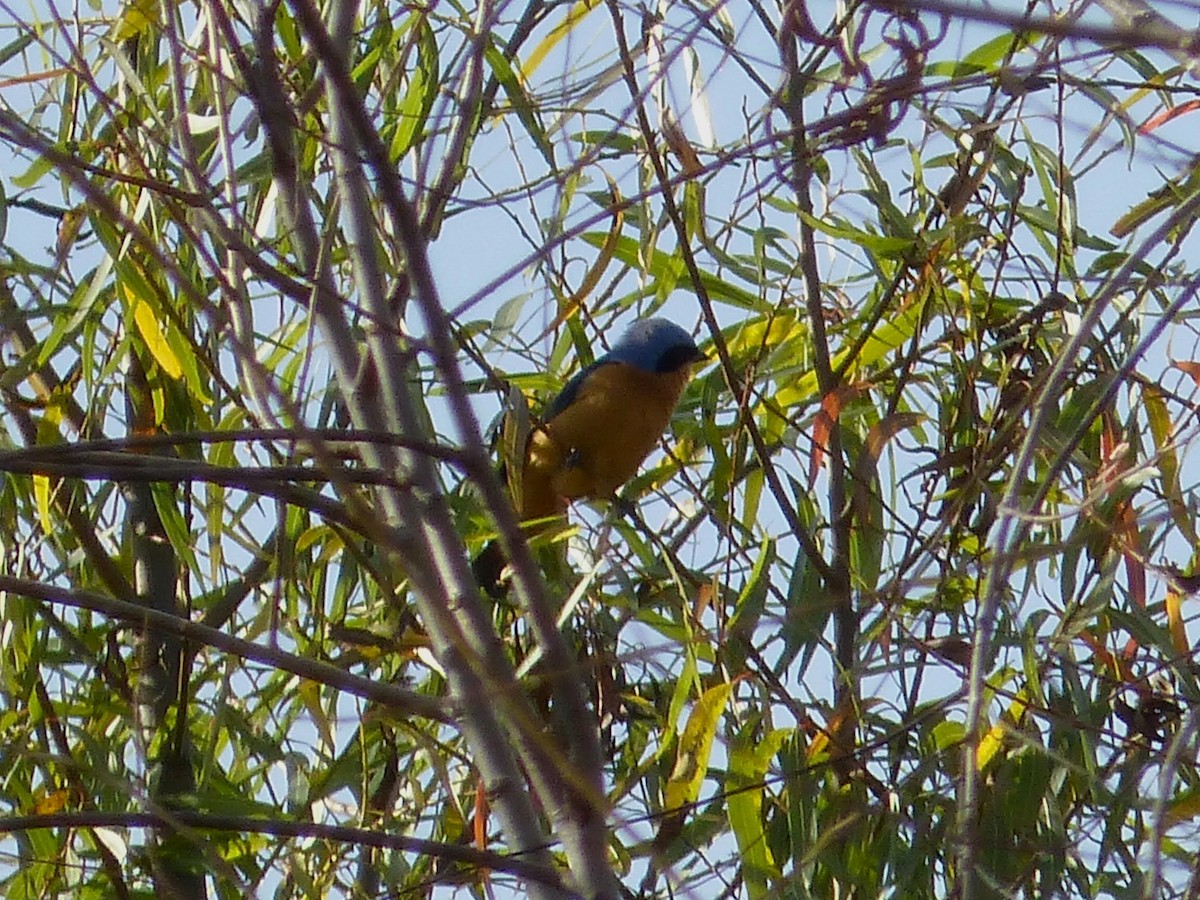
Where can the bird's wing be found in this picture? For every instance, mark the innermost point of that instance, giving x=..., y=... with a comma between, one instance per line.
x=571, y=390
x=617, y=415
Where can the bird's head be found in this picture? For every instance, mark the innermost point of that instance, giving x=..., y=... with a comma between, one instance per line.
x=656, y=345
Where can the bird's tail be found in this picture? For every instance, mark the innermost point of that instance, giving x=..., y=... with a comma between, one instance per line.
x=488, y=568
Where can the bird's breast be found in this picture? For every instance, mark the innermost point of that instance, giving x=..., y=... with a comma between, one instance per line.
x=616, y=419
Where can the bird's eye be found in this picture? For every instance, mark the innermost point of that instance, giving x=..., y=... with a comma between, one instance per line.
x=677, y=357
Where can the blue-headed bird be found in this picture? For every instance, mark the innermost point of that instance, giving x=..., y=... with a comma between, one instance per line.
x=600, y=428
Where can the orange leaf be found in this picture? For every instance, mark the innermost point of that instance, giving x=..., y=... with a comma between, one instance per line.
x=1109, y=441
x=1130, y=649
x=1188, y=368
x=681, y=146
x=1106, y=657
x=1175, y=622
x=481, y=815
x=704, y=599
x=1127, y=532
x=827, y=415
x=886, y=429
x=1167, y=115
x=831, y=405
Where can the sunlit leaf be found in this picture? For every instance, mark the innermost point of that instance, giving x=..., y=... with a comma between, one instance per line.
x=558, y=33
x=694, y=747
x=421, y=92
x=155, y=338
x=667, y=266
x=41, y=495
x=137, y=17
x=993, y=741
x=51, y=802
x=1175, y=623
x=747, y=783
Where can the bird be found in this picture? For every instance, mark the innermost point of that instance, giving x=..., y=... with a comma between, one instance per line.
x=599, y=429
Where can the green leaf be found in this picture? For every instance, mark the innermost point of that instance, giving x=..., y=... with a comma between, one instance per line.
x=746, y=785
x=669, y=267
x=889, y=333
x=687, y=682
x=522, y=104
x=616, y=141
x=749, y=607
x=880, y=245
x=33, y=174
x=422, y=87
x=166, y=502
x=987, y=56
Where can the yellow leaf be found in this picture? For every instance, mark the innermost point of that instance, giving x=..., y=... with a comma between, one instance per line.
x=552, y=40
x=593, y=275
x=695, y=745
x=1175, y=622
x=41, y=496
x=137, y=17
x=990, y=745
x=891, y=332
x=155, y=338
x=310, y=696
x=51, y=802
x=68, y=230
x=1184, y=808
x=818, y=747
x=993, y=741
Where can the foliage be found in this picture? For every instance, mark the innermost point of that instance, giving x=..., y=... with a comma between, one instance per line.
x=899, y=610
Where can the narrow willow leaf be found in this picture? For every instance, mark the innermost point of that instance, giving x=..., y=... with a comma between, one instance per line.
x=558, y=33
x=663, y=265
x=156, y=339
x=167, y=504
x=41, y=497
x=695, y=747
x=889, y=334
x=138, y=17
x=1163, y=432
x=423, y=83
x=522, y=105
x=993, y=742
x=747, y=785
x=596, y=270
